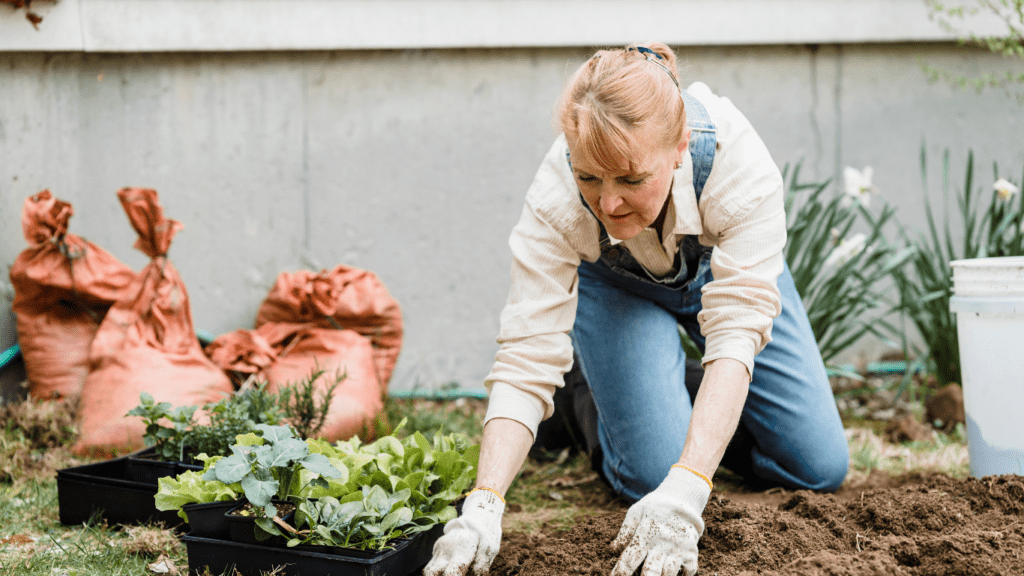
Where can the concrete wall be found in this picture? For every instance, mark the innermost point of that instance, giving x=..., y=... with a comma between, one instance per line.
x=414, y=163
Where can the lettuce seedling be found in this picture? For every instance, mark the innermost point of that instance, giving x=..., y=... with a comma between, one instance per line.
x=367, y=519
x=417, y=479
x=191, y=488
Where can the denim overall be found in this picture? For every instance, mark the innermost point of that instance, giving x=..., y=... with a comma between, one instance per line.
x=627, y=351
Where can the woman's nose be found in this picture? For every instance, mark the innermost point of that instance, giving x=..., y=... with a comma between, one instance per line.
x=610, y=200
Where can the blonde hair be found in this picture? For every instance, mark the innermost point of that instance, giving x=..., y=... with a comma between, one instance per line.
x=616, y=92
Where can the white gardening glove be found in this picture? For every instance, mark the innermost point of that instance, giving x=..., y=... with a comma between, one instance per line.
x=473, y=537
x=663, y=527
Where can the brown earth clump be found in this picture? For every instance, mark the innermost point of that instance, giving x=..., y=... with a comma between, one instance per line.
x=945, y=408
x=907, y=429
x=932, y=526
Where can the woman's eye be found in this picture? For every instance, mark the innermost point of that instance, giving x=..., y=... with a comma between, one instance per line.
x=583, y=178
x=633, y=182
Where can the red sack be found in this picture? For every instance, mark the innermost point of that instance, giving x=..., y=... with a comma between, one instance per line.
x=345, y=297
x=282, y=353
x=147, y=342
x=63, y=287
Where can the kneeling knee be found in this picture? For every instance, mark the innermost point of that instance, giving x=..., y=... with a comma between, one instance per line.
x=829, y=472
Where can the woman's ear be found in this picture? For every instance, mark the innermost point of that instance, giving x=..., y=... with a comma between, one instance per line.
x=683, y=144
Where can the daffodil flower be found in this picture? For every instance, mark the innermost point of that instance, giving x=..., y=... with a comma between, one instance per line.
x=858, y=186
x=1004, y=188
x=847, y=249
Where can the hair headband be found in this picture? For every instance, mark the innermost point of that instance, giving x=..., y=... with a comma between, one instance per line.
x=653, y=56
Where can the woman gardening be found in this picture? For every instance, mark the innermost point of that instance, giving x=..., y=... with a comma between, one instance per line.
x=656, y=208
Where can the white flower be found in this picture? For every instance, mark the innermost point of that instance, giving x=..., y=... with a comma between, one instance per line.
x=846, y=250
x=858, y=185
x=1004, y=188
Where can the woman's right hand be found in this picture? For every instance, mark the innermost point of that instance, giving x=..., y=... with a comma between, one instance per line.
x=472, y=538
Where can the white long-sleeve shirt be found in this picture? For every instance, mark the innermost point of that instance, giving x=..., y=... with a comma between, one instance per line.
x=740, y=214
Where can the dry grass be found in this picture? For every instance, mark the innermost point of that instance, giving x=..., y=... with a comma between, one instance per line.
x=945, y=453
x=150, y=541
x=36, y=439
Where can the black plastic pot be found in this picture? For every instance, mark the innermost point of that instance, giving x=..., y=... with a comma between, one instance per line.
x=221, y=556
x=340, y=551
x=148, y=468
x=208, y=520
x=103, y=490
x=242, y=529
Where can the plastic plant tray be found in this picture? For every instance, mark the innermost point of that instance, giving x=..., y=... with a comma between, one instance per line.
x=103, y=490
x=223, y=556
x=243, y=528
x=145, y=467
x=208, y=520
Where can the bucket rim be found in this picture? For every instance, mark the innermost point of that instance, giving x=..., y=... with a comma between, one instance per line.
x=992, y=261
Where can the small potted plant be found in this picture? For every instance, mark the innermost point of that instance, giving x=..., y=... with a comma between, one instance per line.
x=267, y=468
x=200, y=502
x=167, y=443
x=172, y=449
x=403, y=488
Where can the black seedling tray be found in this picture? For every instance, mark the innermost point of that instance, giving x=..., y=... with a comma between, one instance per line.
x=103, y=490
x=243, y=528
x=208, y=520
x=222, y=556
x=145, y=467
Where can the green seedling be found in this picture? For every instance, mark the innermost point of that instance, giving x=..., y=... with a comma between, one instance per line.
x=267, y=468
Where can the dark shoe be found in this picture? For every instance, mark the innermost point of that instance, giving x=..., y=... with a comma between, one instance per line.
x=565, y=428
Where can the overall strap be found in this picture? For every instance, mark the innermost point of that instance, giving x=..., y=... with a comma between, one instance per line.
x=703, y=140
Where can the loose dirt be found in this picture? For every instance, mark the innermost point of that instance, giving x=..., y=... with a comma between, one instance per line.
x=932, y=525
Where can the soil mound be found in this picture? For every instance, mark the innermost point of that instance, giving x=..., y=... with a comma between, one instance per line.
x=932, y=526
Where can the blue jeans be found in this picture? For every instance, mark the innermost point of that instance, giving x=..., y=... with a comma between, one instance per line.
x=626, y=340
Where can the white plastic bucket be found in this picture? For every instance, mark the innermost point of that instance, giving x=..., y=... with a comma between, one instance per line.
x=989, y=304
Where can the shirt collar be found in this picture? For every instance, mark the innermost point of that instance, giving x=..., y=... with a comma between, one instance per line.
x=684, y=200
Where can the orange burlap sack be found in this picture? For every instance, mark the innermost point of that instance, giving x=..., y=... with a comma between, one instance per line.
x=63, y=286
x=282, y=353
x=147, y=342
x=345, y=297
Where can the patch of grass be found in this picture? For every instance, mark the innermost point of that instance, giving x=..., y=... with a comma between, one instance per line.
x=551, y=497
x=463, y=415
x=877, y=427
x=34, y=543
x=946, y=453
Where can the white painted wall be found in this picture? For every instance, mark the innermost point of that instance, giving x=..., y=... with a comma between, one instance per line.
x=413, y=163
x=231, y=25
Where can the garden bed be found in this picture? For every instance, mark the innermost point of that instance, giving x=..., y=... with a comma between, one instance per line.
x=933, y=525
x=560, y=512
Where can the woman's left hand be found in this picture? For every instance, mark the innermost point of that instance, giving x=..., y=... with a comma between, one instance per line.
x=661, y=530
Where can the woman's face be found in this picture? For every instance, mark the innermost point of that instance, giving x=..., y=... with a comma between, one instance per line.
x=628, y=200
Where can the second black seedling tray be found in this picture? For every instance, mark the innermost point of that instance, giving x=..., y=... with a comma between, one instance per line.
x=222, y=556
x=103, y=490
